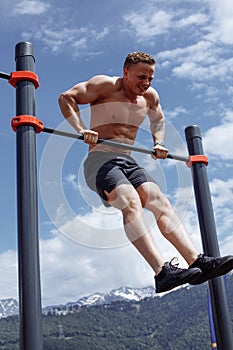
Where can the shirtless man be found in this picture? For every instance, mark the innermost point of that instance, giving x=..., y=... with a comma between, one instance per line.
x=118, y=107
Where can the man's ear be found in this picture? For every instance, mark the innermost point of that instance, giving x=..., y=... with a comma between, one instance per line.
x=125, y=71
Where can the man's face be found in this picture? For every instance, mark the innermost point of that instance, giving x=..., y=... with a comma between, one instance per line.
x=138, y=77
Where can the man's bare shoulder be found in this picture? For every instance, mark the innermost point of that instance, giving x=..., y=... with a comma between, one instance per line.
x=104, y=80
x=103, y=86
x=152, y=97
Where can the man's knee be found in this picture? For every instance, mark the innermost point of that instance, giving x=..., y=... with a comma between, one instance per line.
x=124, y=197
x=153, y=198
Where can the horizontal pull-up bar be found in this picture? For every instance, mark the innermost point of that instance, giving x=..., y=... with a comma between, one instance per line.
x=5, y=75
x=115, y=144
x=39, y=126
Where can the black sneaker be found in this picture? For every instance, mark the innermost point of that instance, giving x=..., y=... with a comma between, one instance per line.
x=172, y=276
x=211, y=267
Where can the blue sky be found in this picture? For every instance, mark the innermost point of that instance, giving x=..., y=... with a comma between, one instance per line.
x=82, y=245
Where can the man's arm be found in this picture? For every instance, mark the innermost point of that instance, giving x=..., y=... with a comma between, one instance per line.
x=82, y=93
x=157, y=126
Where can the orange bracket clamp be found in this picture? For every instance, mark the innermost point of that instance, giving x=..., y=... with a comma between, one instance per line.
x=27, y=120
x=199, y=158
x=24, y=75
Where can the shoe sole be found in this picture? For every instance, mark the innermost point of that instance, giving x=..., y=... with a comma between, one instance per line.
x=188, y=279
x=221, y=270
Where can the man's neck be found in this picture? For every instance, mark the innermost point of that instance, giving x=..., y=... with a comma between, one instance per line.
x=131, y=96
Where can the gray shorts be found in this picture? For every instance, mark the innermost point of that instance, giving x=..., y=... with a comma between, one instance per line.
x=105, y=171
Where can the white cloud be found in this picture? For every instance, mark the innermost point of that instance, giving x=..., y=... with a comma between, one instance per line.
x=194, y=19
x=222, y=25
x=200, y=62
x=176, y=112
x=8, y=281
x=72, y=271
x=218, y=139
x=197, y=72
x=222, y=197
x=100, y=35
x=72, y=180
x=230, y=91
x=99, y=228
x=31, y=7
x=60, y=37
x=148, y=24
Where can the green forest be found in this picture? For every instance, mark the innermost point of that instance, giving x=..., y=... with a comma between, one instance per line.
x=177, y=321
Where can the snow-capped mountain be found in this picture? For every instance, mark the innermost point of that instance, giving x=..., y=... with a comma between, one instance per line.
x=121, y=294
x=9, y=307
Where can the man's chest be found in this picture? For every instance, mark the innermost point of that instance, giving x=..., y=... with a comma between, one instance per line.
x=120, y=112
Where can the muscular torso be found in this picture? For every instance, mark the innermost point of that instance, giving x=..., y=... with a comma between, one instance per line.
x=115, y=117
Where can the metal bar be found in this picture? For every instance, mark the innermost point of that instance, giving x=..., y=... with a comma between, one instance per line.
x=5, y=75
x=30, y=333
x=115, y=144
x=209, y=239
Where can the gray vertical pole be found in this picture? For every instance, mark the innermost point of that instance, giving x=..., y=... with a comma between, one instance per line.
x=209, y=239
x=28, y=246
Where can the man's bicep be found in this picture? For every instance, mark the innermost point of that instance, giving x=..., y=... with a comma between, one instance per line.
x=156, y=114
x=157, y=123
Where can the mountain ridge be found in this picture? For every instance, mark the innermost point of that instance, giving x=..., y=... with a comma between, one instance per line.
x=10, y=306
x=126, y=294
